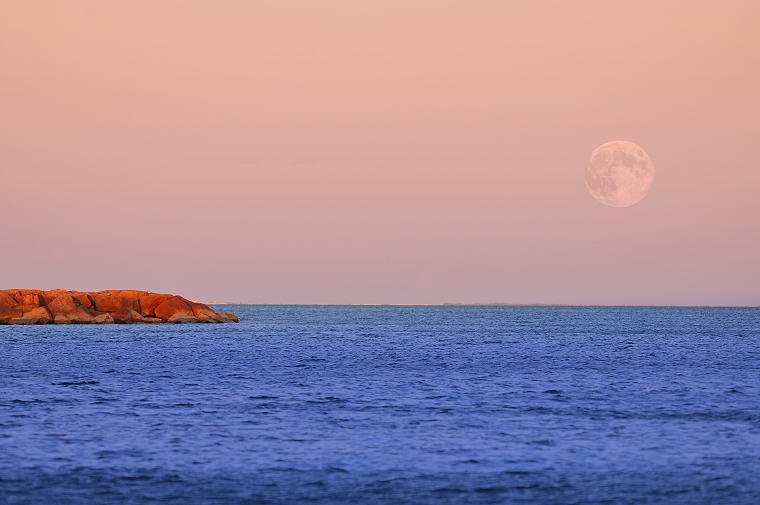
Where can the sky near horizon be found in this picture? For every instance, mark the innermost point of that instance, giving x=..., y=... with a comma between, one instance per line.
x=379, y=151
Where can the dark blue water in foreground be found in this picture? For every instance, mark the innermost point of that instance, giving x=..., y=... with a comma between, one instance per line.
x=387, y=405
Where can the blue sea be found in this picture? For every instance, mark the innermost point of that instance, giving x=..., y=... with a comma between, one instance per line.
x=387, y=405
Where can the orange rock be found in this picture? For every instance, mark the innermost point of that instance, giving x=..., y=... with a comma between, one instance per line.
x=83, y=298
x=149, y=303
x=122, y=316
x=7, y=300
x=204, y=313
x=131, y=297
x=181, y=317
x=26, y=302
x=127, y=316
x=172, y=306
x=49, y=296
x=30, y=291
x=7, y=314
x=205, y=318
x=66, y=305
x=62, y=304
x=21, y=320
x=39, y=315
x=103, y=319
x=111, y=303
x=137, y=317
x=80, y=315
x=130, y=293
x=228, y=318
x=31, y=306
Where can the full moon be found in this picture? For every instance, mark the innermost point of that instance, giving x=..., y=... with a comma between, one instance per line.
x=619, y=173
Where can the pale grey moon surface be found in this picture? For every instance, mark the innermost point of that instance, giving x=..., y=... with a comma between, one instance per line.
x=619, y=173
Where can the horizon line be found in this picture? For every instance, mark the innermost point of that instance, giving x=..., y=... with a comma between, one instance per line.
x=493, y=304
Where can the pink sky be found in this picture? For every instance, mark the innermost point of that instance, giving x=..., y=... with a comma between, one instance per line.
x=379, y=151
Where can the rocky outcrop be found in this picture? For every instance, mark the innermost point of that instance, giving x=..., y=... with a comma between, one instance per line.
x=31, y=306
x=8, y=310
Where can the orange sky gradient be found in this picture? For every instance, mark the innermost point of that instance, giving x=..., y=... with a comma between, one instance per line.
x=379, y=151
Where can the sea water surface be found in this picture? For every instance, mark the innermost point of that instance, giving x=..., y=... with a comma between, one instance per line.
x=352, y=404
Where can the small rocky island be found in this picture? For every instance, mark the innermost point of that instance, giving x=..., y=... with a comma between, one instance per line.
x=32, y=306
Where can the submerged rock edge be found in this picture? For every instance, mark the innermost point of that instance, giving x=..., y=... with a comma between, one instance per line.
x=59, y=306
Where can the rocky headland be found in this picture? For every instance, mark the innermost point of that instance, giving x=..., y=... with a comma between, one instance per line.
x=33, y=306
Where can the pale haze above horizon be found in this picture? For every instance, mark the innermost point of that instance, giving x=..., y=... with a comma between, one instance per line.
x=379, y=151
